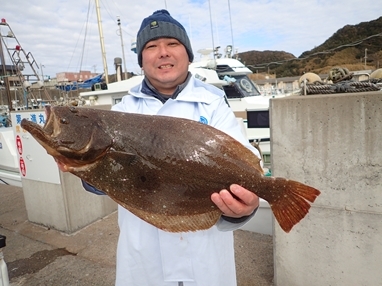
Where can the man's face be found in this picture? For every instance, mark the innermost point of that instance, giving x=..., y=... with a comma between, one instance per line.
x=165, y=64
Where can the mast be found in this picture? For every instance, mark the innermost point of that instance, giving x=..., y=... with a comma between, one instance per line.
x=230, y=20
x=212, y=31
x=102, y=42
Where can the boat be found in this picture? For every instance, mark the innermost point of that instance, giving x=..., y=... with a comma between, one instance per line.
x=67, y=87
x=22, y=95
x=243, y=96
x=9, y=168
x=9, y=165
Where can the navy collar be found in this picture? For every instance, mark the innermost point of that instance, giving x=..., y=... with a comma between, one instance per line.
x=149, y=89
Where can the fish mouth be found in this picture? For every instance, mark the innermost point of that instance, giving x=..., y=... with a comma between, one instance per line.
x=52, y=126
x=42, y=134
x=48, y=137
x=48, y=114
x=56, y=137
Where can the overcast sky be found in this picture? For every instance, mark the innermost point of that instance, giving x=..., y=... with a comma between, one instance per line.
x=62, y=35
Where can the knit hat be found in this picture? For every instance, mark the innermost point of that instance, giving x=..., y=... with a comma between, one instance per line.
x=161, y=25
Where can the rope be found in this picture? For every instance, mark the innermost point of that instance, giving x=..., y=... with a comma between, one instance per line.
x=341, y=87
x=86, y=32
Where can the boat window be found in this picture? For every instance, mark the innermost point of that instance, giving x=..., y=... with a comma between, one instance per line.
x=221, y=69
x=258, y=118
x=232, y=91
x=117, y=100
x=240, y=86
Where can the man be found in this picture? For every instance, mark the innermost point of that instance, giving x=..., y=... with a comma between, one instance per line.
x=147, y=255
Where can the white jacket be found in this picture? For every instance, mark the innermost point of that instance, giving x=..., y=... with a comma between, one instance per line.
x=147, y=256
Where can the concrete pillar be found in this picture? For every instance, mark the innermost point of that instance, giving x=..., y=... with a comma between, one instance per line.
x=67, y=206
x=333, y=143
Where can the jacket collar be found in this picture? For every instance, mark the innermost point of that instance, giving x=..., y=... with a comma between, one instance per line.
x=192, y=90
x=149, y=89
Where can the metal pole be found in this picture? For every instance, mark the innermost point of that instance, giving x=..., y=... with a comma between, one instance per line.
x=276, y=84
x=212, y=30
x=4, y=278
x=6, y=80
x=230, y=20
x=101, y=41
x=365, y=57
x=42, y=74
x=123, y=49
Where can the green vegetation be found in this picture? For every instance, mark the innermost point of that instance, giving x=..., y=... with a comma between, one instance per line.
x=346, y=48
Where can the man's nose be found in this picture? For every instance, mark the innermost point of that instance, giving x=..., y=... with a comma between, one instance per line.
x=163, y=51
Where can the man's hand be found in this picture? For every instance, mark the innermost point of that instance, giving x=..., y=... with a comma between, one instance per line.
x=243, y=203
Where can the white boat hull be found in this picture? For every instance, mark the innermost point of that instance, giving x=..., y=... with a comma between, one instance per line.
x=9, y=169
x=10, y=178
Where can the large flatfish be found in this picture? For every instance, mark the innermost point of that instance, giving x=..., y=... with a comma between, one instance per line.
x=163, y=169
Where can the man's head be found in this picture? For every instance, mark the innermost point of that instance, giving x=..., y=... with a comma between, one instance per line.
x=161, y=25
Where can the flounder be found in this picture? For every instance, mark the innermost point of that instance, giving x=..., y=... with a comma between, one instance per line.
x=163, y=169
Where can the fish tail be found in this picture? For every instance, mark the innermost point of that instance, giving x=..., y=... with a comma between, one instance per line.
x=289, y=201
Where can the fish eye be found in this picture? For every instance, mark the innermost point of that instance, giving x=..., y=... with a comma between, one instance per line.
x=73, y=109
x=64, y=121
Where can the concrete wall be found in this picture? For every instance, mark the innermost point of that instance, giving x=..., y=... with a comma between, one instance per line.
x=333, y=143
x=67, y=206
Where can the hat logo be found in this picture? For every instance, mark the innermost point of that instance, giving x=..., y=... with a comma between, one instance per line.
x=154, y=24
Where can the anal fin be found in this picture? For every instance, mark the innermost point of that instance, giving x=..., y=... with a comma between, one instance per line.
x=178, y=223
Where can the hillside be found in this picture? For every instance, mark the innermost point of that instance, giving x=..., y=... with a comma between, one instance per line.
x=345, y=48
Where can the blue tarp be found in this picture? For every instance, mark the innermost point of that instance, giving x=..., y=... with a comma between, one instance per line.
x=83, y=85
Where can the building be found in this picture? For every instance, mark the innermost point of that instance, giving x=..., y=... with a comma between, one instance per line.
x=74, y=76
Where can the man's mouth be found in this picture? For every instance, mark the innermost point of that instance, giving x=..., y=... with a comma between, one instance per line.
x=166, y=66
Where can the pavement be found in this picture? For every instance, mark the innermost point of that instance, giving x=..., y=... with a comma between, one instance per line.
x=38, y=255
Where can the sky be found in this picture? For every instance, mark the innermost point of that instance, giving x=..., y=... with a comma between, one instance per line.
x=63, y=35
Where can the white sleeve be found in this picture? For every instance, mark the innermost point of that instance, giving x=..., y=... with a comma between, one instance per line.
x=224, y=119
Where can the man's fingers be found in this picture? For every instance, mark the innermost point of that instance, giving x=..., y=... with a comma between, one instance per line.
x=218, y=201
x=227, y=203
x=237, y=203
x=245, y=196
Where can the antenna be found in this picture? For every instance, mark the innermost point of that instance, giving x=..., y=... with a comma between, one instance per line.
x=230, y=20
x=123, y=49
x=212, y=30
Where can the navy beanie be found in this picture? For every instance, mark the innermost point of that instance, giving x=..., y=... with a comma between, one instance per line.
x=161, y=25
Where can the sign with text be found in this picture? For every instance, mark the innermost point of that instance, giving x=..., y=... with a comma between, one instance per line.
x=34, y=162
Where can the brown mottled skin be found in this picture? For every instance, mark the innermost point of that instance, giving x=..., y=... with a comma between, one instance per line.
x=163, y=169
